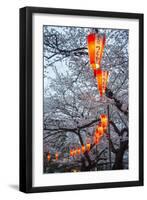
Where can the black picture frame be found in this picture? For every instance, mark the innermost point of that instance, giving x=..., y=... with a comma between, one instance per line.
x=26, y=114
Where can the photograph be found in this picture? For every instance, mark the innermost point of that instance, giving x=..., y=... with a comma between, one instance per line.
x=85, y=99
x=81, y=99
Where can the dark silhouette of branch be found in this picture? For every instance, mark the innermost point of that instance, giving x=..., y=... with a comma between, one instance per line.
x=65, y=129
x=118, y=103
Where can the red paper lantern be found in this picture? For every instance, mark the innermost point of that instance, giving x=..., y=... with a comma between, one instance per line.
x=71, y=152
x=79, y=150
x=88, y=145
x=96, y=139
x=96, y=43
x=100, y=130
x=48, y=156
x=74, y=152
x=56, y=155
x=102, y=80
x=104, y=121
x=83, y=149
x=97, y=132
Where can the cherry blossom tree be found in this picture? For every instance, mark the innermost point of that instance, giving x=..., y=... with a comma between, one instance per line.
x=72, y=104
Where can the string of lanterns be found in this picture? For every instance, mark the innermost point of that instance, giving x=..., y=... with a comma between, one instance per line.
x=100, y=130
x=96, y=44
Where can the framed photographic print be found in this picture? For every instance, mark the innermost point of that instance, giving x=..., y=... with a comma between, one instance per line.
x=81, y=99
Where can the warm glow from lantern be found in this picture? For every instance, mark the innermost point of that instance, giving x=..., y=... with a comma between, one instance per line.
x=48, y=156
x=74, y=152
x=104, y=121
x=96, y=43
x=96, y=133
x=79, y=150
x=100, y=130
x=105, y=129
x=71, y=152
x=96, y=139
x=91, y=48
x=56, y=155
x=83, y=149
x=102, y=80
x=88, y=145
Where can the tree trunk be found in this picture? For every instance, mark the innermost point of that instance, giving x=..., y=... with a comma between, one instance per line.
x=119, y=155
x=118, y=160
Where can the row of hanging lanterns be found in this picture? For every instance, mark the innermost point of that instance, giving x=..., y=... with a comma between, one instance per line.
x=77, y=151
x=73, y=152
x=49, y=156
x=101, y=128
x=96, y=44
x=81, y=150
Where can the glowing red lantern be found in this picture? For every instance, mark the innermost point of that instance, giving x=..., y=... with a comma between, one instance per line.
x=74, y=152
x=88, y=145
x=79, y=150
x=56, y=155
x=102, y=79
x=96, y=139
x=96, y=43
x=100, y=130
x=104, y=121
x=97, y=132
x=48, y=156
x=71, y=152
x=83, y=149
